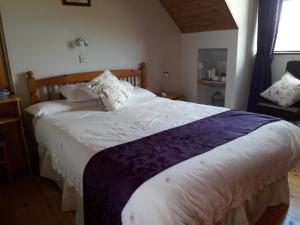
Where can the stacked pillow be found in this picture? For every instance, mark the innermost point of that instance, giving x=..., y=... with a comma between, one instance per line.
x=73, y=93
x=43, y=109
x=285, y=92
x=112, y=92
x=96, y=86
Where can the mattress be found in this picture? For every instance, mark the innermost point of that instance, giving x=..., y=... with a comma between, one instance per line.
x=197, y=191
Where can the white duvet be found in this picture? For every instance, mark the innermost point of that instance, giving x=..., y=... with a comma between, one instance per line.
x=200, y=190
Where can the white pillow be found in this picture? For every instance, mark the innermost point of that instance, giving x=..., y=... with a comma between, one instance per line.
x=141, y=92
x=112, y=92
x=113, y=97
x=140, y=96
x=95, y=86
x=52, y=107
x=73, y=93
x=128, y=86
x=284, y=92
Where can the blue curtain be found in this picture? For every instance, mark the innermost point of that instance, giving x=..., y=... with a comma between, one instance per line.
x=268, y=21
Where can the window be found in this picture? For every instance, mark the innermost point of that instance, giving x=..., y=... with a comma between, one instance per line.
x=288, y=39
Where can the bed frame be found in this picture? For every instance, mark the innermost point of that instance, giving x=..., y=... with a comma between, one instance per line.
x=137, y=77
x=46, y=90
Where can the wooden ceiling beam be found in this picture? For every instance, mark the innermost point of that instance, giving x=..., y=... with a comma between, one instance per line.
x=200, y=15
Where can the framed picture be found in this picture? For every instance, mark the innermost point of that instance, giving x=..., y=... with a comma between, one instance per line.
x=77, y=2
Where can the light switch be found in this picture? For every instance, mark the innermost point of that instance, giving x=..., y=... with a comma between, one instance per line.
x=83, y=58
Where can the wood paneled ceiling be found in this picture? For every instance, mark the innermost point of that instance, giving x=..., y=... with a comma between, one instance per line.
x=200, y=15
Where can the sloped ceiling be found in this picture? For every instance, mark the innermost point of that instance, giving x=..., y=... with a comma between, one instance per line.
x=200, y=15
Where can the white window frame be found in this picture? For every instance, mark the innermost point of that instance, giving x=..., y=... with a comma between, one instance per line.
x=287, y=51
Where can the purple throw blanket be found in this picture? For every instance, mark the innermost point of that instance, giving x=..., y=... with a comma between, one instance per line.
x=112, y=175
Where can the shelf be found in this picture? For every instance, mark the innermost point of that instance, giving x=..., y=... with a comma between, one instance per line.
x=10, y=98
x=6, y=120
x=211, y=83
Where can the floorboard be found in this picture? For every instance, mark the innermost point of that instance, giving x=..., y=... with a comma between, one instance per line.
x=37, y=201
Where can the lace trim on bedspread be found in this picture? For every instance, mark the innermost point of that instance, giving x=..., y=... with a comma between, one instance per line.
x=66, y=174
x=241, y=197
x=249, y=191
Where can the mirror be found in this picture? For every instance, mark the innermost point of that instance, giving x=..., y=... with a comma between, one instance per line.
x=5, y=75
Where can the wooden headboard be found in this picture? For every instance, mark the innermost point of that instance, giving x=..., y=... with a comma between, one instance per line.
x=137, y=77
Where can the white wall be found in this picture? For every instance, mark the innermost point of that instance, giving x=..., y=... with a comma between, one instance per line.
x=213, y=39
x=245, y=15
x=241, y=50
x=121, y=34
x=279, y=65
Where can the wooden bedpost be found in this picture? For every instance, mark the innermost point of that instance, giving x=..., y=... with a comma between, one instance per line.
x=32, y=87
x=144, y=78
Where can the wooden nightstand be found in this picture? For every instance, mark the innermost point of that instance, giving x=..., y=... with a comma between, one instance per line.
x=11, y=128
x=4, y=162
x=173, y=96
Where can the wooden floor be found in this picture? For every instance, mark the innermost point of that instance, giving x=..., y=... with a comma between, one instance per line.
x=36, y=201
x=32, y=201
x=282, y=215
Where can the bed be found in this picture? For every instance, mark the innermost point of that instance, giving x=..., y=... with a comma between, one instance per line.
x=232, y=184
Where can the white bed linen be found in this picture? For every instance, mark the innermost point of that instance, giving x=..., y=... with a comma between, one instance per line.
x=247, y=213
x=197, y=191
